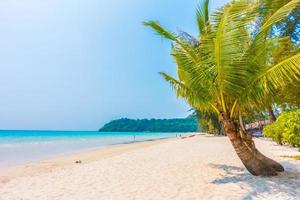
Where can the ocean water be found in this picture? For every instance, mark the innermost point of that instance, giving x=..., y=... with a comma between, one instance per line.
x=19, y=147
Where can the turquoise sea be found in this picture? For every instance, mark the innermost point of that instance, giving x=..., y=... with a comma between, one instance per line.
x=19, y=147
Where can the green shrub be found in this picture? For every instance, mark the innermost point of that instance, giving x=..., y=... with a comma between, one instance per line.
x=274, y=131
x=291, y=123
x=286, y=129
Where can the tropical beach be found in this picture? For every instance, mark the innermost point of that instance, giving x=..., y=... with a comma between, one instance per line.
x=143, y=99
x=201, y=167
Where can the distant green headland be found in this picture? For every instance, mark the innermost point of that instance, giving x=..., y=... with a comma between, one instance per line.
x=188, y=124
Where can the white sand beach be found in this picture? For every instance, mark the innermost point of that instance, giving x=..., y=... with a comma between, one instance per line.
x=203, y=167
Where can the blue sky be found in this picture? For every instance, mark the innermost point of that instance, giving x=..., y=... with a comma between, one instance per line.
x=76, y=64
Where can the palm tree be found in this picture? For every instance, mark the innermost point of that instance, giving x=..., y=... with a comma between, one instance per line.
x=227, y=70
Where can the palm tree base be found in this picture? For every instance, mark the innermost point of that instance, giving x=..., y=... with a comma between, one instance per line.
x=254, y=161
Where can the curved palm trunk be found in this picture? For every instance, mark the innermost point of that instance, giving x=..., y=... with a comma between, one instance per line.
x=255, y=162
x=272, y=116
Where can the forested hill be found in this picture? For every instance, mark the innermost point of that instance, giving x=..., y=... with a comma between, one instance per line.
x=188, y=124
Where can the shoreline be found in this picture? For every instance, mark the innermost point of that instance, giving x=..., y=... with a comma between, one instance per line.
x=22, y=148
x=69, y=159
x=200, y=167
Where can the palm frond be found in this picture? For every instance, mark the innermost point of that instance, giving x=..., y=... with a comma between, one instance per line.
x=160, y=30
x=179, y=87
x=283, y=73
x=168, y=35
x=258, y=47
x=231, y=35
x=202, y=13
x=280, y=14
x=197, y=99
x=265, y=87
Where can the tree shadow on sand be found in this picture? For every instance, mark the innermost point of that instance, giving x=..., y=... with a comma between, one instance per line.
x=286, y=184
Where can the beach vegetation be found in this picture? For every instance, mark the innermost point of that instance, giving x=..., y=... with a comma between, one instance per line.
x=286, y=130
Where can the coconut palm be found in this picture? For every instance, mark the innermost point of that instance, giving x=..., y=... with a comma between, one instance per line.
x=227, y=69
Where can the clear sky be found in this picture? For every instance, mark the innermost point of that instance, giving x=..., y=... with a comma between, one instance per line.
x=76, y=64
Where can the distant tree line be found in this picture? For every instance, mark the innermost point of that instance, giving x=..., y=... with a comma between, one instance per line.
x=188, y=124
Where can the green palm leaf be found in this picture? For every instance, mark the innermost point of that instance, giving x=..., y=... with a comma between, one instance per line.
x=168, y=35
x=258, y=48
x=202, y=14
x=284, y=72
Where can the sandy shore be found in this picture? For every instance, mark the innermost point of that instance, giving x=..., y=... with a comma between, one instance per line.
x=202, y=167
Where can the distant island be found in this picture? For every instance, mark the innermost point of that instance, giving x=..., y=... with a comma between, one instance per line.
x=188, y=124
